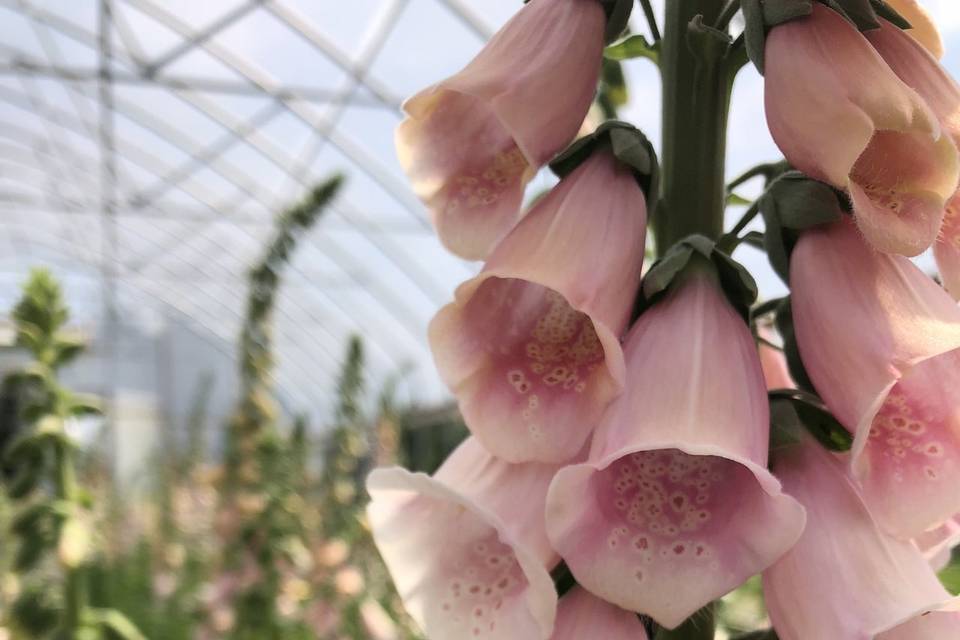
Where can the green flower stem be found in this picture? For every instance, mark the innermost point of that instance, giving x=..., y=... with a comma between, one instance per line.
x=696, y=98
x=74, y=587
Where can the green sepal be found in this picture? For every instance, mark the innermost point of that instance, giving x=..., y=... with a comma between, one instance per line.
x=628, y=145
x=635, y=46
x=737, y=283
x=784, y=322
x=762, y=15
x=793, y=412
x=764, y=634
x=563, y=579
x=792, y=203
x=618, y=16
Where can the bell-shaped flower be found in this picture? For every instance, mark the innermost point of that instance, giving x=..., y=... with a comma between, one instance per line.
x=918, y=69
x=466, y=547
x=841, y=115
x=922, y=28
x=776, y=373
x=674, y=506
x=530, y=347
x=881, y=343
x=583, y=616
x=471, y=142
x=846, y=578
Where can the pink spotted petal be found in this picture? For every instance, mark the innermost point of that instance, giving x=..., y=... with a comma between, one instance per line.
x=530, y=347
x=946, y=251
x=472, y=141
x=845, y=578
x=465, y=548
x=675, y=506
x=923, y=29
x=887, y=367
x=583, y=616
x=858, y=126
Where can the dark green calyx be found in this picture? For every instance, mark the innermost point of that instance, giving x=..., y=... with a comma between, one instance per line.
x=792, y=203
x=628, y=145
x=762, y=15
x=794, y=412
x=693, y=251
x=618, y=15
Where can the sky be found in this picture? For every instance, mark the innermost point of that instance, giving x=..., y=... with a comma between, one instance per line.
x=194, y=204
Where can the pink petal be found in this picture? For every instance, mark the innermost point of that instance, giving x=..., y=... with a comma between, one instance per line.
x=675, y=506
x=936, y=544
x=473, y=141
x=946, y=251
x=466, y=548
x=531, y=345
x=583, y=616
x=893, y=349
x=845, y=578
x=776, y=373
x=923, y=29
x=856, y=125
x=941, y=625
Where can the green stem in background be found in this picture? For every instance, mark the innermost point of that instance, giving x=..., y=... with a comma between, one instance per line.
x=651, y=19
x=696, y=98
x=74, y=587
x=729, y=10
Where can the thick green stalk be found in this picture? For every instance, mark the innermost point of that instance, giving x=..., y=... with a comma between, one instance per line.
x=74, y=588
x=696, y=97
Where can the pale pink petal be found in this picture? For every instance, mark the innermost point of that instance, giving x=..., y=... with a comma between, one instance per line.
x=936, y=544
x=845, y=578
x=776, y=373
x=472, y=142
x=530, y=347
x=583, y=616
x=856, y=125
x=938, y=625
x=923, y=29
x=675, y=506
x=881, y=344
x=946, y=251
x=466, y=548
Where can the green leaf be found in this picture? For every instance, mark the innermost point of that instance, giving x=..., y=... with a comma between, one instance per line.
x=809, y=412
x=635, y=46
x=736, y=200
x=950, y=574
x=84, y=405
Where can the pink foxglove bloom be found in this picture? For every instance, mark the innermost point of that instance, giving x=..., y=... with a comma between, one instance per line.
x=917, y=68
x=776, y=373
x=583, y=616
x=472, y=141
x=881, y=344
x=841, y=115
x=530, y=346
x=923, y=30
x=675, y=506
x=846, y=578
x=467, y=548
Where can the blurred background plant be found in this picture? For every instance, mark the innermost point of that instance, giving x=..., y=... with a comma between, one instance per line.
x=252, y=529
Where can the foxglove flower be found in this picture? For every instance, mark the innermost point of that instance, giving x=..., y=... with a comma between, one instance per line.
x=918, y=69
x=881, y=344
x=841, y=115
x=467, y=548
x=582, y=616
x=471, y=142
x=923, y=30
x=530, y=346
x=846, y=578
x=776, y=373
x=675, y=506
